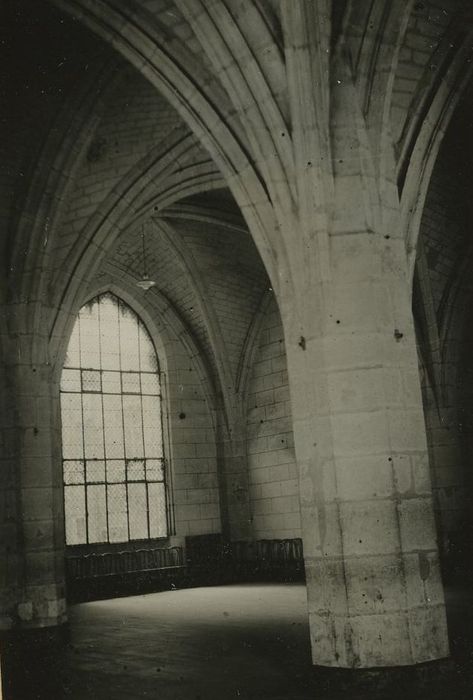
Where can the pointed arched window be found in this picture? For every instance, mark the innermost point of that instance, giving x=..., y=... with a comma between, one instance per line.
x=112, y=437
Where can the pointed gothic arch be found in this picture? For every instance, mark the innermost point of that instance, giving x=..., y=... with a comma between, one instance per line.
x=113, y=447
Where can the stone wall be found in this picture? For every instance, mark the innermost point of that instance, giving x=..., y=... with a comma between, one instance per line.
x=273, y=480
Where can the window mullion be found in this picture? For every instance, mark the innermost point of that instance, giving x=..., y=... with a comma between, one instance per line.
x=86, y=499
x=167, y=476
x=123, y=426
x=143, y=434
x=103, y=425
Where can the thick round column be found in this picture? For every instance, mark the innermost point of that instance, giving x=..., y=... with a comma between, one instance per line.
x=34, y=595
x=33, y=606
x=374, y=591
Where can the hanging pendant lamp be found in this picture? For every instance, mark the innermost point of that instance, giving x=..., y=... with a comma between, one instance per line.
x=145, y=282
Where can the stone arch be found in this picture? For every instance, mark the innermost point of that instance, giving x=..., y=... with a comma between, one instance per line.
x=125, y=289
x=124, y=206
x=421, y=148
x=167, y=331
x=168, y=69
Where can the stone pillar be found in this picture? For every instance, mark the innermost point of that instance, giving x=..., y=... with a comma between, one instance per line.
x=236, y=512
x=33, y=606
x=33, y=595
x=375, y=595
x=374, y=590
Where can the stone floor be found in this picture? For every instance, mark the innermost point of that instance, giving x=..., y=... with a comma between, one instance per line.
x=209, y=643
x=242, y=641
x=247, y=641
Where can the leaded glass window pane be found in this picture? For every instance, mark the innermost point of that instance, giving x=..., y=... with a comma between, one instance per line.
x=129, y=347
x=135, y=470
x=91, y=380
x=133, y=426
x=153, y=437
x=72, y=438
x=70, y=380
x=109, y=333
x=157, y=510
x=131, y=383
x=117, y=513
x=113, y=426
x=111, y=383
x=89, y=337
x=74, y=511
x=73, y=349
x=93, y=426
x=95, y=471
x=96, y=513
x=116, y=471
x=73, y=472
x=148, y=358
x=150, y=384
x=154, y=470
x=138, y=511
x=111, y=412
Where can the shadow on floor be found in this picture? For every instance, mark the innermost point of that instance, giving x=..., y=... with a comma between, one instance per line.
x=241, y=641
